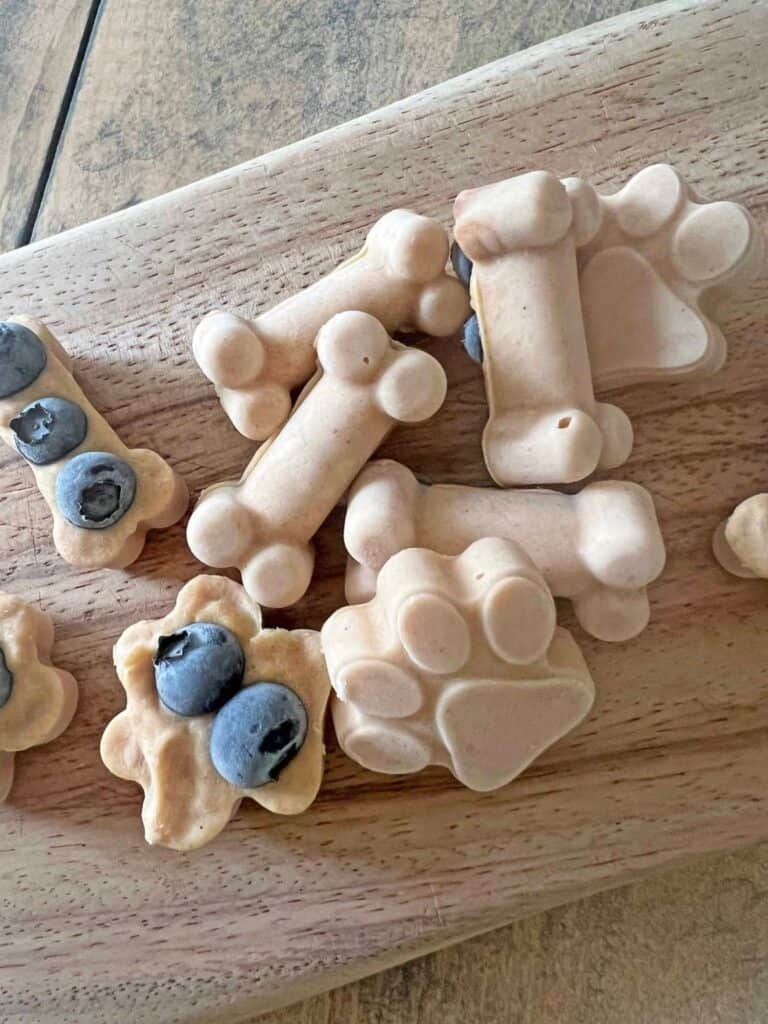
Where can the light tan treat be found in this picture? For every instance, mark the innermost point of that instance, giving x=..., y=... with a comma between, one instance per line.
x=544, y=425
x=37, y=701
x=398, y=277
x=740, y=543
x=457, y=661
x=186, y=801
x=263, y=524
x=600, y=547
x=161, y=495
x=653, y=274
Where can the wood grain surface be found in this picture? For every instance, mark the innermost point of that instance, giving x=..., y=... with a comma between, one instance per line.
x=673, y=761
x=39, y=43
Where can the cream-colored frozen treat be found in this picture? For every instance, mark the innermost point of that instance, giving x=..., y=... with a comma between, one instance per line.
x=458, y=662
x=544, y=425
x=740, y=542
x=263, y=524
x=217, y=710
x=103, y=496
x=37, y=700
x=398, y=277
x=600, y=548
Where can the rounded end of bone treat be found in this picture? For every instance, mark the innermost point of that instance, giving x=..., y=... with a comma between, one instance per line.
x=519, y=619
x=443, y=306
x=380, y=513
x=413, y=387
x=379, y=688
x=359, y=582
x=613, y=615
x=711, y=243
x=258, y=412
x=228, y=350
x=744, y=540
x=433, y=633
x=413, y=246
x=725, y=555
x=352, y=346
x=279, y=575
x=563, y=447
x=219, y=531
x=587, y=210
x=648, y=200
x=618, y=435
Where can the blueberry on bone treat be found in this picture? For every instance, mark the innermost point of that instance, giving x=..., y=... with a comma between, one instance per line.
x=22, y=358
x=198, y=668
x=461, y=263
x=6, y=681
x=49, y=429
x=471, y=339
x=95, y=490
x=257, y=733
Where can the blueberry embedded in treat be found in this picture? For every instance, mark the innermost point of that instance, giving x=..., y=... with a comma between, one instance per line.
x=6, y=680
x=257, y=734
x=95, y=490
x=22, y=358
x=198, y=668
x=49, y=429
x=471, y=339
x=461, y=263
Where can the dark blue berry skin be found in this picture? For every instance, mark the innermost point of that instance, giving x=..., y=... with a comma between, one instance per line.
x=95, y=490
x=22, y=358
x=198, y=668
x=461, y=263
x=257, y=734
x=6, y=681
x=49, y=429
x=471, y=340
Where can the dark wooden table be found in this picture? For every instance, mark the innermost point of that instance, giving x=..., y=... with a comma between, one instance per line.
x=105, y=103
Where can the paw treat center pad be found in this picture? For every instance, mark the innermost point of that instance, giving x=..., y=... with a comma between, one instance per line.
x=448, y=652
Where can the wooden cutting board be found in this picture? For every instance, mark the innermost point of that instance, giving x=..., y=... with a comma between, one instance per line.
x=673, y=762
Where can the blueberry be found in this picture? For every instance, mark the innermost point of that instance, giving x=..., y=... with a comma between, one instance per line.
x=95, y=490
x=198, y=668
x=462, y=264
x=471, y=340
x=6, y=680
x=49, y=429
x=22, y=358
x=257, y=733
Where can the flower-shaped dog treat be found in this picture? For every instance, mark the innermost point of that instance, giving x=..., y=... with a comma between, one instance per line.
x=652, y=275
x=457, y=661
x=37, y=701
x=103, y=496
x=217, y=710
x=740, y=542
x=544, y=425
x=600, y=547
x=263, y=524
x=398, y=277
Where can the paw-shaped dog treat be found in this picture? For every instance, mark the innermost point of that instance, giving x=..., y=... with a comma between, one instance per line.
x=398, y=277
x=37, y=701
x=217, y=710
x=740, y=543
x=652, y=274
x=544, y=425
x=457, y=661
x=600, y=548
x=103, y=496
x=263, y=525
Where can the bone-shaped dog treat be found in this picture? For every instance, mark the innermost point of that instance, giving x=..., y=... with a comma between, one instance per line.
x=217, y=710
x=600, y=548
x=103, y=496
x=263, y=524
x=740, y=543
x=398, y=277
x=37, y=701
x=457, y=661
x=652, y=275
x=544, y=425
